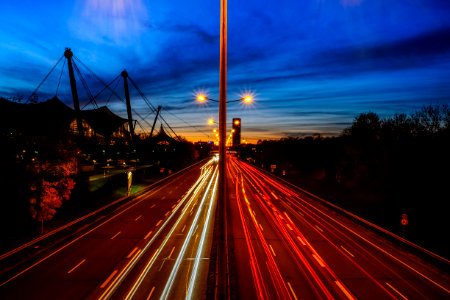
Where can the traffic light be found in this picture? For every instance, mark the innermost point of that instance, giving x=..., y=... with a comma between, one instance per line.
x=236, y=131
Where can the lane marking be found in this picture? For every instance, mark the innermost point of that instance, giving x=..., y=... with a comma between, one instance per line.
x=287, y=216
x=260, y=226
x=319, y=260
x=159, y=222
x=153, y=206
x=132, y=252
x=184, y=227
x=349, y=253
x=113, y=237
x=138, y=218
x=151, y=293
x=275, y=196
x=104, y=284
x=320, y=229
x=343, y=289
x=395, y=290
x=289, y=226
x=301, y=240
x=167, y=213
x=79, y=264
x=171, y=252
x=164, y=197
x=148, y=234
x=273, y=252
x=292, y=291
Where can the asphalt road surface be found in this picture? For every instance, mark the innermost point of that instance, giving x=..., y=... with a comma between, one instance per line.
x=149, y=247
x=281, y=243
x=287, y=245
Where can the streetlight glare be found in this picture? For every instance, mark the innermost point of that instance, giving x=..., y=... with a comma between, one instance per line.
x=201, y=97
x=211, y=121
x=247, y=98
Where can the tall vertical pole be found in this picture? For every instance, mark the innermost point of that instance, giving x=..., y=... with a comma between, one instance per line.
x=73, y=86
x=221, y=206
x=127, y=98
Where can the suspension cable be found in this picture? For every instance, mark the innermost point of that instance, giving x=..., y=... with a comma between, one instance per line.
x=142, y=95
x=60, y=76
x=32, y=98
x=162, y=118
x=115, y=87
x=108, y=86
x=138, y=123
x=90, y=71
x=86, y=87
x=189, y=125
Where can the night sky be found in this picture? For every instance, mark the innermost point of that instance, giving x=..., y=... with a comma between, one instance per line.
x=313, y=65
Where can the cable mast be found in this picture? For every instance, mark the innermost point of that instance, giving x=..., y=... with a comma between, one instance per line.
x=73, y=86
x=127, y=98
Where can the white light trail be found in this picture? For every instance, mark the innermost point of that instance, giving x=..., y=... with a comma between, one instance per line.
x=176, y=267
x=119, y=279
x=206, y=226
x=192, y=196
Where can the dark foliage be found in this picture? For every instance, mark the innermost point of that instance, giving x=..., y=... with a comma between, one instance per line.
x=378, y=168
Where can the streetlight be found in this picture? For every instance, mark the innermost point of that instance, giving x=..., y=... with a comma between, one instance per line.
x=246, y=98
x=211, y=121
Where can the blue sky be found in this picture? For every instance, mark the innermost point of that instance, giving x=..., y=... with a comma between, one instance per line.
x=313, y=65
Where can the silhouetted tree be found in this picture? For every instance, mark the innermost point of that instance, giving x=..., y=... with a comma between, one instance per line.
x=431, y=120
x=51, y=185
x=398, y=127
x=366, y=126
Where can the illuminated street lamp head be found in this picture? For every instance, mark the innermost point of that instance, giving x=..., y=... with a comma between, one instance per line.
x=201, y=97
x=247, y=98
x=211, y=121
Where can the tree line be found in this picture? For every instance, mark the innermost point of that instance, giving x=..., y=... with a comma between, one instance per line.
x=379, y=168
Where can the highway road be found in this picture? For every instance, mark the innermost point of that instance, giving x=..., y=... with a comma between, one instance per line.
x=287, y=245
x=281, y=242
x=156, y=245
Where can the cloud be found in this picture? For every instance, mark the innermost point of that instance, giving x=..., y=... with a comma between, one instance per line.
x=416, y=51
x=191, y=29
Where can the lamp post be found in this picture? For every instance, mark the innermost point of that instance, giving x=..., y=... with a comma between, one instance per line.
x=221, y=252
x=221, y=288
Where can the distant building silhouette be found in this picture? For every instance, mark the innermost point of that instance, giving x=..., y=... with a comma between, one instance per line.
x=162, y=138
x=53, y=118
